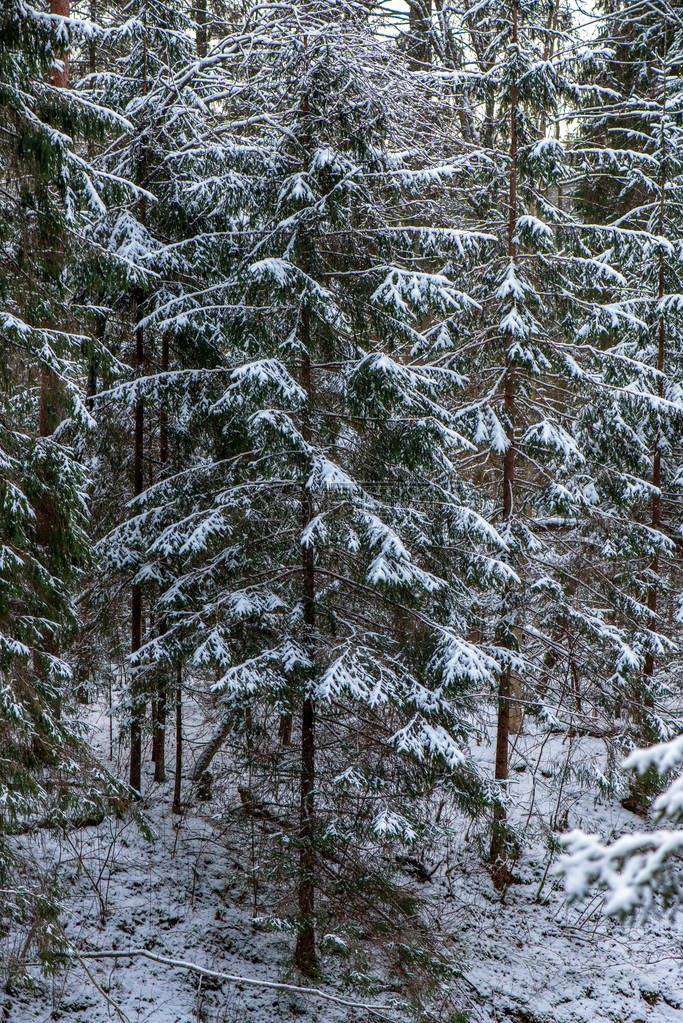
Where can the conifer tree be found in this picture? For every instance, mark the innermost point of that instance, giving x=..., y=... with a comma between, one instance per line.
x=541, y=373
x=319, y=559
x=642, y=180
x=145, y=49
x=639, y=872
x=48, y=776
x=640, y=415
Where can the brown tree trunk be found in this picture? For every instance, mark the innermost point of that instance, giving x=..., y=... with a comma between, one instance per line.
x=305, y=954
x=200, y=20
x=177, y=806
x=61, y=78
x=656, y=517
x=92, y=46
x=138, y=709
x=285, y=728
x=497, y=851
x=159, y=728
x=49, y=386
x=160, y=735
x=49, y=412
x=419, y=49
x=136, y=593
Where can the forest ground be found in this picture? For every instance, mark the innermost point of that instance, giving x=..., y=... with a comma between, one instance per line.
x=187, y=894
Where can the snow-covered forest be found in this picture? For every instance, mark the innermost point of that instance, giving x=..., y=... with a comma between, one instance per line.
x=341, y=511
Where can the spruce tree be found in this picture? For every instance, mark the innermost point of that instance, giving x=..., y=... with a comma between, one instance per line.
x=640, y=414
x=140, y=57
x=543, y=368
x=641, y=870
x=48, y=776
x=320, y=558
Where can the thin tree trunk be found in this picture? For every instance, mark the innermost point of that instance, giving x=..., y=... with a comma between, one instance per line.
x=138, y=709
x=497, y=851
x=305, y=955
x=210, y=750
x=159, y=729
x=49, y=407
x=92, y=45
x=656, y=518
x=49, y=387
x=305, y=952
x=285, y=728
x=154, y=709
x=136, y=593
x=177, y=806
x=160, y=735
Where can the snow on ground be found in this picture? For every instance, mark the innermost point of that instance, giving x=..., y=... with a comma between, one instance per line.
x=525, y=958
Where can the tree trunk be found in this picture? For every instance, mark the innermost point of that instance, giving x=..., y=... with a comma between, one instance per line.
x=177, y=807
x=210, y=750
x=159, y=730
x=498, y=835
x=49, y=413
x=61, y=78
x=49, y=386
x=285, y=729
x=655, y=518
x=138, y=709
x=136, y=593
x=160, y=735
x=419, y=48
x=92, y=45
x=201, y=27
x=305, y=953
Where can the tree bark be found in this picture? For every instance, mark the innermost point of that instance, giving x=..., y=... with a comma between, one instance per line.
x=159, y=729
x=200, y=19
x=305, y=952
x=210, y=750
x=136, y=592
x=305, y=955
x=60, y=78
x=138, y=709
x=656, y=516
x=419, y=48
x=49, y=386
x=497, y=851
x=177, y=806
x=285, y=728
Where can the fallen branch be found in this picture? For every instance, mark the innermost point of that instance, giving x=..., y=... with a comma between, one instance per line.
x=143, y=953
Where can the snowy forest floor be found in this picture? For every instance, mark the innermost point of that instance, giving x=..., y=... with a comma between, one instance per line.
x=526, y=958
